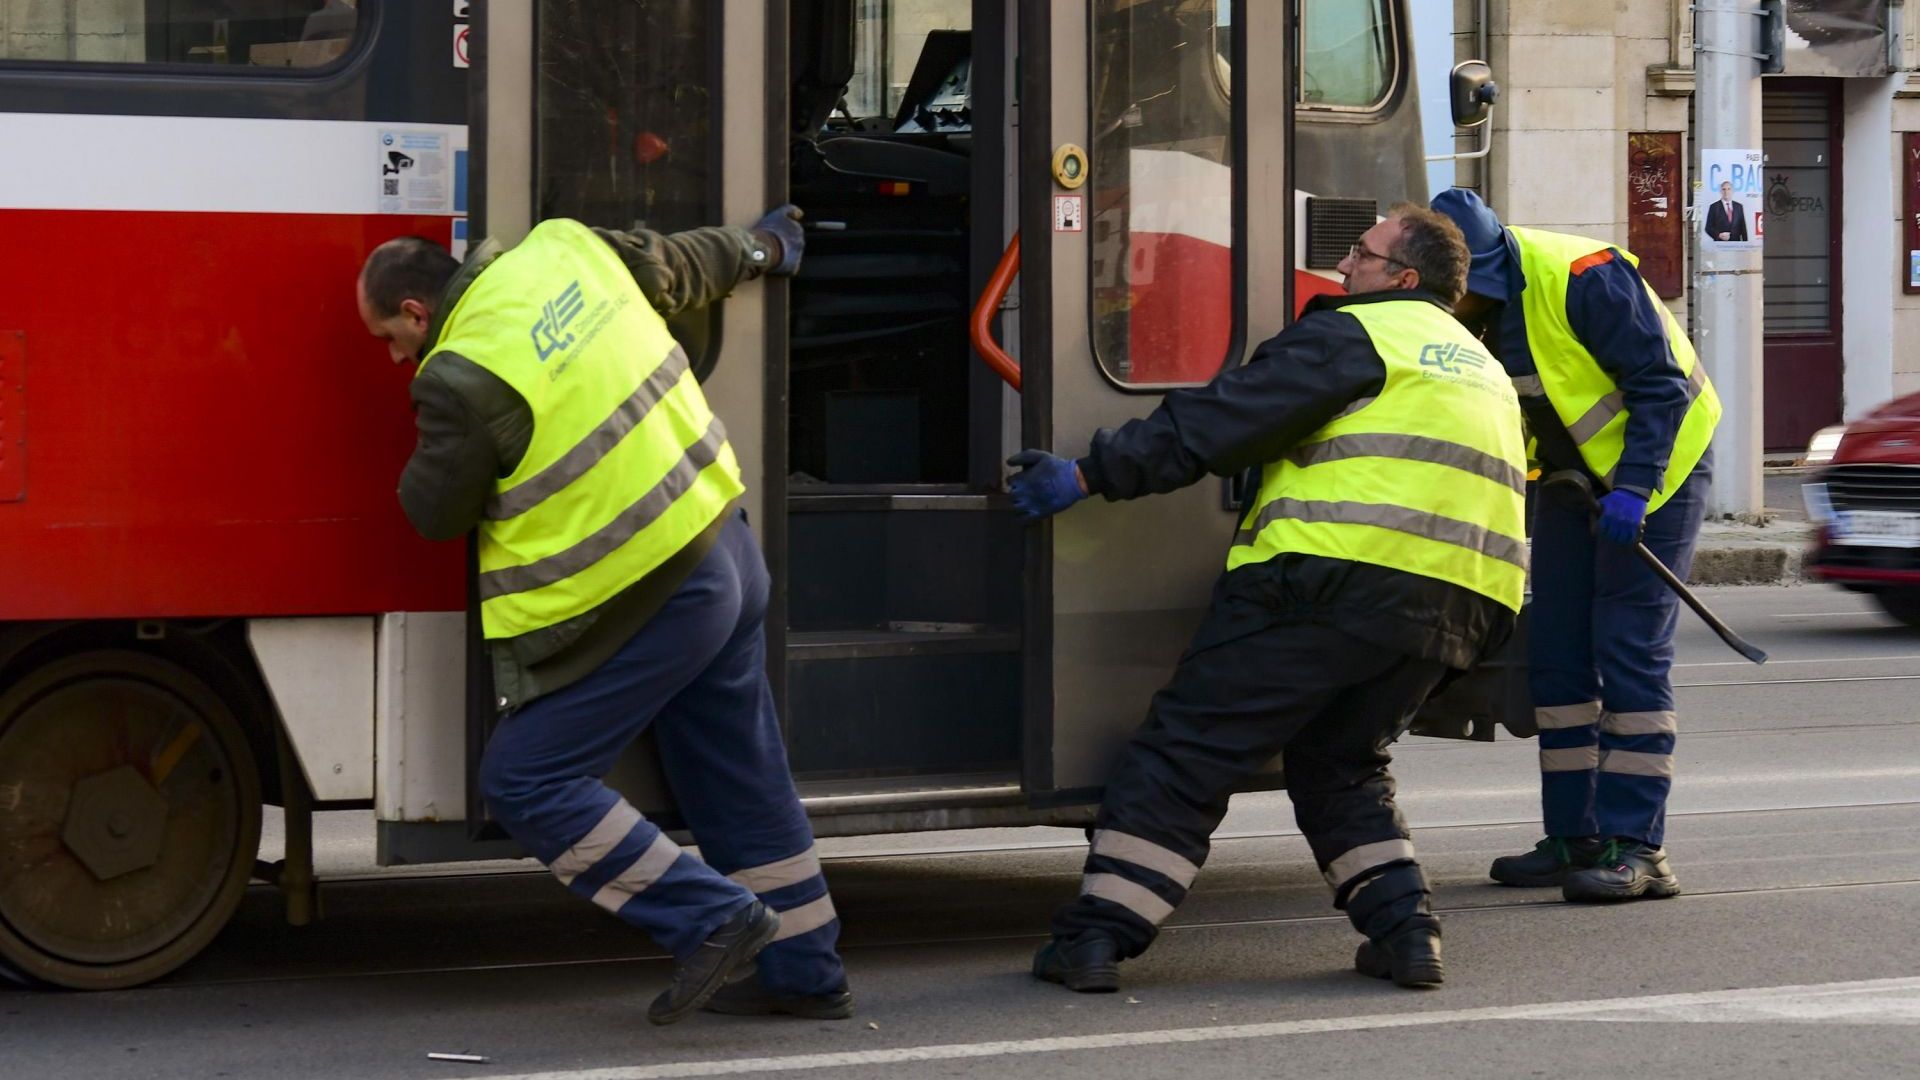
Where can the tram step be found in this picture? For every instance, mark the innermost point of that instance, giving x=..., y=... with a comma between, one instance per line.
x=902, y=639
x=848, y=499
x=902, y=558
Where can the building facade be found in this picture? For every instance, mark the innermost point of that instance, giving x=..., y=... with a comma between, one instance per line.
x=1593, y=135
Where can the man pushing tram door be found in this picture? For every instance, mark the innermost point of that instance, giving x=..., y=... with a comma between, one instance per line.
x=1385, y=547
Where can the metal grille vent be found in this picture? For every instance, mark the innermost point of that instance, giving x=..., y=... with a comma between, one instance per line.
x=1333, y=225
x=1893, y=488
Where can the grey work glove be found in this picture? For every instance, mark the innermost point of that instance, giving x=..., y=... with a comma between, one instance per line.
x=782, y=224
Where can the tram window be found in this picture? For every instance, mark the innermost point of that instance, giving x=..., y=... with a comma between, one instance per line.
x=1348, y=54
x=207, y=33
x=626, y=113
x=626, y=124
x=1161, y=192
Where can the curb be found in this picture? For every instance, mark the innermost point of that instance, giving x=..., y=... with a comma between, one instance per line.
x=1747, y=564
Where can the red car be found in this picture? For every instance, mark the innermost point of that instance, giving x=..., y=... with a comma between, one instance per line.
x=1865, y=498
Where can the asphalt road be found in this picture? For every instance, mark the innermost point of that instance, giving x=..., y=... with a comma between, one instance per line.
x=1795, y=828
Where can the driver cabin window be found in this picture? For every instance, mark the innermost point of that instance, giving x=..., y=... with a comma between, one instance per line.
x=1347, y=49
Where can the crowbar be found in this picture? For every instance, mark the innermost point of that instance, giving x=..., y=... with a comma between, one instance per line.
x=1578, y=481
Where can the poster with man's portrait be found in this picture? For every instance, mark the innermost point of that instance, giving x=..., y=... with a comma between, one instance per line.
x=1728, y=208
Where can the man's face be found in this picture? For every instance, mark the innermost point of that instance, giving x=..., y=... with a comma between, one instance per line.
x=405, y=331
x=1473, y=309
x=1726, y=190
x=1370, y=268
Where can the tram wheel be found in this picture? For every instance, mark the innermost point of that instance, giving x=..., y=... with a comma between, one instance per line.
x=129, y=819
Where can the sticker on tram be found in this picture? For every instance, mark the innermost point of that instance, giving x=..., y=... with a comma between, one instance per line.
x=416, y=172
x=1067, y=214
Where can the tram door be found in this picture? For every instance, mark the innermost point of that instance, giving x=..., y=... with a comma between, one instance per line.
x=624, y=115
x=1161, y=269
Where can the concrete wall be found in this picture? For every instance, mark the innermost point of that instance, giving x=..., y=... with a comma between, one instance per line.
x=1870, y=243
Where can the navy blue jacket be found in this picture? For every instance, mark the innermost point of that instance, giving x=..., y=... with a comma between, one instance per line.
x=1253, y=414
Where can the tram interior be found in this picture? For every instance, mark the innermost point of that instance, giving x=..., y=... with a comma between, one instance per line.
x=879, y=361
x=904, y=602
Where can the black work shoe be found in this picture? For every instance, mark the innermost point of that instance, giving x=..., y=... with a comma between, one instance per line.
x=731, y=947
x=1625, y=870
x=1411, y=958
x=748, y=998
x=1549, y=863
x=1088, y=964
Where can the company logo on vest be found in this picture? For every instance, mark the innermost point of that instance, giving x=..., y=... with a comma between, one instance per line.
x=1451, y=358
x=553, y=321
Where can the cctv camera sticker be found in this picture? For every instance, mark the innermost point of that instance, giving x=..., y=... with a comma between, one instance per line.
x=415, y=177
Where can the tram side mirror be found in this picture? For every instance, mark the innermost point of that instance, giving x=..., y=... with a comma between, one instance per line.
x=1472, y=92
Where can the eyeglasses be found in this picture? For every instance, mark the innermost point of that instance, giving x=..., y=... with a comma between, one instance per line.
x=1359, y=251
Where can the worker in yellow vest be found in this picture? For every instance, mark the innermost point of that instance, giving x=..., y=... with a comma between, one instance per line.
x=620, y=588
x=1385, y=547
x=1612, y=389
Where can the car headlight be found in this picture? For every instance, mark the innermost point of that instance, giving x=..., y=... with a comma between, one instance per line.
x=1825, y=441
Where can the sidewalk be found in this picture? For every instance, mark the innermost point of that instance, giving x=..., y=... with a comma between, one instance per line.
x=1736, y=553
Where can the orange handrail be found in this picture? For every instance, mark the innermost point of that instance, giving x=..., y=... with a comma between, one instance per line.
x=981, y=325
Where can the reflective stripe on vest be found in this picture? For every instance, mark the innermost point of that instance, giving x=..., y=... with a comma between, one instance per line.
x=1582, y=394
x=1428, y=477
x=626, y=463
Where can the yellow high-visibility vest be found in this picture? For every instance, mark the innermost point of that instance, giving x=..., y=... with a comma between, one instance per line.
x=1582, y=394
x=1428, y=476
x=626, y=464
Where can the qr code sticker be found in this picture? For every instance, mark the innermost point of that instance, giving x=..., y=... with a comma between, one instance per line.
x=390, y=186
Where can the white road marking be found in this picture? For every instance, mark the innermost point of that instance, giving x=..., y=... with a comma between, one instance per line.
x=1794, y=682
x=1830, y=660
x=1872, y=1001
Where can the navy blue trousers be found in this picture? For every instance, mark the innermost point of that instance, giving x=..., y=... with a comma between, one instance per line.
x=696, y=675
x=1600, y=650
x=1251, y=686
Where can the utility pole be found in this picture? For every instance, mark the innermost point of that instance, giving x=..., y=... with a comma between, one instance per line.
x=1727, y=280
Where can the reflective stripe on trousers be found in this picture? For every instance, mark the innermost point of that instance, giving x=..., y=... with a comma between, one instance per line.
x=1141, y=854
x=776, y=882
x=1360, y=861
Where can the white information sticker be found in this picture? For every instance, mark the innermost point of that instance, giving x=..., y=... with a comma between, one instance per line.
x=1067, y=214
x=416, y=174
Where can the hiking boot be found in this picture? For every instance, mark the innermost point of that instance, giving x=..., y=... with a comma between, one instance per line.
x=1087, y=964
x=1625, y=870
x=731, y=947
x=748, y=998
x=1410, y=957
x=1549, y=863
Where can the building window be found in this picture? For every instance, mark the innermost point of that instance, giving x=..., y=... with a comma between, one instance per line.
x=1347, y=53
x=1161, y=192
x=222, y=34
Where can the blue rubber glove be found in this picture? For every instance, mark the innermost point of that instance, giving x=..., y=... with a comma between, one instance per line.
x=783, y=224
x=1045, y=484
x=1621, y=515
